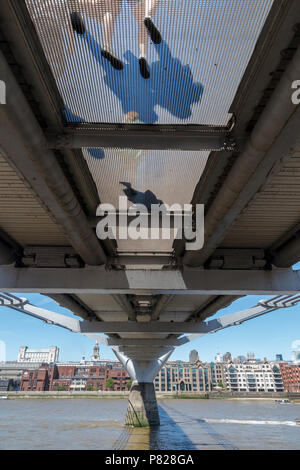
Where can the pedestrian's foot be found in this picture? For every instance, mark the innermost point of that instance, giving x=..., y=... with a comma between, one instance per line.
x=78, y=23
x=144, y=69
x=114, y=60
x=152, y=30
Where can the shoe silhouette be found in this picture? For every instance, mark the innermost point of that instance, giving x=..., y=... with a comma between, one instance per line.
x=114, y=60
x=153, y=31
x=78, y=23
x=144, y=69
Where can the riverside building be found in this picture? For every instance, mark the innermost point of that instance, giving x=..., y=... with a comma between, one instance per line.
x=48, y=356
x=253, y=377
x=198, y=377
x=184, y=377
x=75, y=378
x=290, y=377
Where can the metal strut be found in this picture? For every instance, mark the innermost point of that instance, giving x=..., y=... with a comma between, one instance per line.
x=92, y=328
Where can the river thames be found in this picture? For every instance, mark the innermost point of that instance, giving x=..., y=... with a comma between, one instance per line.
x=97, y=424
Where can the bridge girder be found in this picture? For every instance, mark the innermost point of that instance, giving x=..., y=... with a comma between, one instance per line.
x=94, y=280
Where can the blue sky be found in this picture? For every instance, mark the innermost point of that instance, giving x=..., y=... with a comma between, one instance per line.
x=265, y=336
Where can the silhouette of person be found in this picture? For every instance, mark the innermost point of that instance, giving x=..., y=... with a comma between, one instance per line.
x=146, y=198
x=128, y=159
x=104, y=11
x=143, y=10
x=171, y=85
x=52, y=18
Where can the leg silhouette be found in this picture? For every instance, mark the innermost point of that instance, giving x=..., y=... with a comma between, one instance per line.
x=143, y=12
x=105, y=12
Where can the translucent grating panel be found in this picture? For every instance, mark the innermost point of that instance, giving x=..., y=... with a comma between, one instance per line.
x=171, y=176
x=194, y=71
x=156, y=176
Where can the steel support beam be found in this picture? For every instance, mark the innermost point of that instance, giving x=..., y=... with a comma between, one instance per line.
x=7, y=254
x=162, y=303
x=141, y=260
x=126, y=327
x=10, y=250
x=141, y=342
x=95, y=280
x=289, y=253
x=213, y=306
x=126, y=306
x=200, y=328
x=21, y=142
x=143, y=137
x=19, y=31
x=136, y=345
x=274, y=135
x=287, y=143
x=75, y=306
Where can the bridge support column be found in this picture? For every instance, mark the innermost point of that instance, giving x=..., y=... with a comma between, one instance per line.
x=142, y=408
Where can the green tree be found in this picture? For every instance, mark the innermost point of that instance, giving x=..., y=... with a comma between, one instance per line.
x=110, y=383
x=220, y=384
x=90, y=388
x=61, y=388
x=129, y=384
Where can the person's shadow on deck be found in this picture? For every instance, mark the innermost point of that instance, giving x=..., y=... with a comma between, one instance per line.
x=171, y=85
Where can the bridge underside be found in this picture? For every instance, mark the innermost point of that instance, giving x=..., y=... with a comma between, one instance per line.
x=214, y=125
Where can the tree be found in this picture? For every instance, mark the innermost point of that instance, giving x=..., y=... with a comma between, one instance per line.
x=110, y=383
x=220, y=384
x=90, y=388
x=62, y=388
x=129, y=384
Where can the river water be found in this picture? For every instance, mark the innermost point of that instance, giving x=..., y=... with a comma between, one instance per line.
x=185, y=425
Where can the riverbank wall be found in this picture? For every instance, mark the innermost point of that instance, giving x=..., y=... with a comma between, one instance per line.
x=160, y=395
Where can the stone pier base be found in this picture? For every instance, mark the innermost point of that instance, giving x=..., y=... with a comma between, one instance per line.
x=142, y=408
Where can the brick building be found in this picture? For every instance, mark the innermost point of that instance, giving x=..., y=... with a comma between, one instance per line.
x=120, y=378
x=290, y=377
x=35, y=380
x=183, y=377
x=74, y=378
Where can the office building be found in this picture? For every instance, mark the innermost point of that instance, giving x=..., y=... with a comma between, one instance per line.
x=193, y=356
x=48, y=356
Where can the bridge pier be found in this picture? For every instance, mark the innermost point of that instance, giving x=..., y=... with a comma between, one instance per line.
x=142, y=408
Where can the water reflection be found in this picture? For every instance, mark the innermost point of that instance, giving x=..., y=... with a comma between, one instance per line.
x=168, y=436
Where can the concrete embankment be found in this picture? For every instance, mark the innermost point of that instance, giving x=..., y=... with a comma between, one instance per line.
x=64, y=395
x=159, y=395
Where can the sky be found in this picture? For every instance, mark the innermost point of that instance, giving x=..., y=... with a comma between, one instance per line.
x=265, y=336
